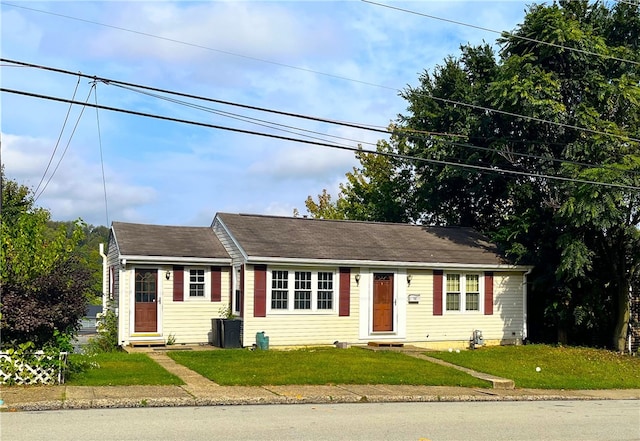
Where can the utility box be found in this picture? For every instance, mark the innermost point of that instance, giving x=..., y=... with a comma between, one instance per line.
x=262, y=341
x=477, y=340
x=225, y=333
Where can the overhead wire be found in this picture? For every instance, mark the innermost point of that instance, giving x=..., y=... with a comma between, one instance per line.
x=449, y=101
x=37, y=196
x=489, y=169
x=395, y=129
x=269, y=124
x=199, y=46
x=55, y=149
x=244, y=118
x=104, y=181
x=504, y=33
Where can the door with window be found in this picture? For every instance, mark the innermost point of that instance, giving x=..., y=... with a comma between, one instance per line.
x=146, y=304
x=382, y=302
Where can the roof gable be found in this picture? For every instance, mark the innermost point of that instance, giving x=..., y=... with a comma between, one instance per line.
x=305, y=238
x=169, y=241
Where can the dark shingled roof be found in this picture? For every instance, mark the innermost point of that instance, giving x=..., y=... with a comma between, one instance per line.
x=305, y=238
x=169, y=241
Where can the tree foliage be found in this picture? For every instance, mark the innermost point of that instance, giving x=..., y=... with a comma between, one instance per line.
x=44, y=284
x=560, y=99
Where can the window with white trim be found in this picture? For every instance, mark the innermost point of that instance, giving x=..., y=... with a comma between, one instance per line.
x=462, y=292
x=302, y=290
x=197, y=283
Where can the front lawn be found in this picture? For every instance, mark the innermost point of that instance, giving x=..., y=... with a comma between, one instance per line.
x=120, y=369
x=319, y=366
x=560, y=367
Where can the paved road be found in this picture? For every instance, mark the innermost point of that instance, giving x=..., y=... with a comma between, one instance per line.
x=538, y=420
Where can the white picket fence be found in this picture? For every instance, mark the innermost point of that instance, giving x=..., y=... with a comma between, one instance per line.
x=18, y=371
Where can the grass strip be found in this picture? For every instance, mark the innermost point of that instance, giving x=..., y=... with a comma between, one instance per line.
x=122, y=369
x=561, y=367
x=313, y=366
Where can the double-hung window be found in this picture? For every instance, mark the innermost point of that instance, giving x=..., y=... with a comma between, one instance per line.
x=197, y=285
x=462, y=292
x=302, y=290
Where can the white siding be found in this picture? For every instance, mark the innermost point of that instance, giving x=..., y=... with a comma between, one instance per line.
x=505, y=325
x=189, y=321
x=228, y=243
x=300, y=329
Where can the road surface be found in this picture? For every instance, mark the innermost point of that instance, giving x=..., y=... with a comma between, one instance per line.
x=530, y=420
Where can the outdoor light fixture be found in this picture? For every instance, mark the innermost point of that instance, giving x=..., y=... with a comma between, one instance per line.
x=167, y=275
x=357, y=279
x=409, y=278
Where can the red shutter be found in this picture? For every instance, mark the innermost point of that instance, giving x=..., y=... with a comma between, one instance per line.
x=259, y=290
x=437, y=292
x=345, y=292
x=488, y=293
x=178, y=283
x=216, y=284
x=241, y=290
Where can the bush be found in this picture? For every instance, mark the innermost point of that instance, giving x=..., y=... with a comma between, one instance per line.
x=107, y=338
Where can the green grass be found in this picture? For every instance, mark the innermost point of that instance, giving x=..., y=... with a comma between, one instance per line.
x=560, y=367
x=122, y=369
x=320, y=366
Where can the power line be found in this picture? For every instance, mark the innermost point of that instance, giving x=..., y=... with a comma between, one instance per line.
x=396, y=130
x=398, y=133
x=55, y=149
x=504, y=33
x=340, y=147
x=347, y=124
x=256, y=121
x=104, y=181
x=186, y=43
x=37, y=196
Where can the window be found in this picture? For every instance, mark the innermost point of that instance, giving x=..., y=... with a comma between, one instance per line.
x=279, y=289
x=463, y=292
x=453, y=292
x=472, y=292
x=302, y=293
x=196, y=283
x=325, y=290
x=312, y=291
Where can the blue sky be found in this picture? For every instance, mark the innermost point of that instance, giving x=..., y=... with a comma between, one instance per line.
x=341, y=61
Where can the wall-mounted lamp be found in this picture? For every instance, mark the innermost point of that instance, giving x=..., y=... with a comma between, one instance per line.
x=357, y=279
x=167, y=275
x=409, y=278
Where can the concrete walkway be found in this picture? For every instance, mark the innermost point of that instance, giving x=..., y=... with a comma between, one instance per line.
x=199, y=391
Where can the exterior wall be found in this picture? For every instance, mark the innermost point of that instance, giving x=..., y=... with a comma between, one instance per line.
x=227, y=243
x=300, y=329
x=415, y=323
x=189, y=321
x=505, y=325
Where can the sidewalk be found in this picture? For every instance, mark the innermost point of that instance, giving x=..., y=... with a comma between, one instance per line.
x=199, y=391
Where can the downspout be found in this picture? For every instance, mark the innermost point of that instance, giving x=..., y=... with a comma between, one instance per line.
x=105, y=276
x=524, y=304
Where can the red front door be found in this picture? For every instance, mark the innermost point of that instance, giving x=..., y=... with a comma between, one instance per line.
x=382, y=302
x=146, y=308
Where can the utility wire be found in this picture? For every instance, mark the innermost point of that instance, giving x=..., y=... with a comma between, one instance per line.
x=504, y=33
x=104, y=181
x=347, y=124
x=396, y=130
x=55, y=149
x=248, y=119
x=340, y=147
x=186, y=43
x=270, y=124
x=37, y=196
